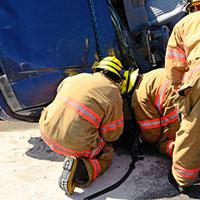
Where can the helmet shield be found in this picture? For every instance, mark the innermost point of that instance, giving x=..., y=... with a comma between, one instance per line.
x=130, y=81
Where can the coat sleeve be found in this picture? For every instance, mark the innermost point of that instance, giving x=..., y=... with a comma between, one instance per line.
x=60, y=86
x=113, y=121
x=175, y=58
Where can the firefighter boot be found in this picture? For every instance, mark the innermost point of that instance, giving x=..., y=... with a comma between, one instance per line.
x=66, y=179
x=180, y=189
x=81, y=178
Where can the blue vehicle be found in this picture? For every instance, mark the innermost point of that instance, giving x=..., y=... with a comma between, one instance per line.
x=42, y=42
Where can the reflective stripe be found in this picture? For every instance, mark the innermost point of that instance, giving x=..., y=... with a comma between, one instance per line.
x=158, y=122
x=70, y=152
x=169, y=118
x=186, y=173
x=169, y=148
x=160, y=96
x=96, y=167
x=177, y=54
x=147, y=124
x=112, y=126
x=83, y=111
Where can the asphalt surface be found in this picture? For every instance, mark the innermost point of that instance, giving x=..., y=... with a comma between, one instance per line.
x=21, y=142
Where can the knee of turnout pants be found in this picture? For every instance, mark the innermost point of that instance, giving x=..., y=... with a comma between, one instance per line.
x=166, y=141
x=152, y=129
x=148, y=119
x=186, y=154
x=97, y=165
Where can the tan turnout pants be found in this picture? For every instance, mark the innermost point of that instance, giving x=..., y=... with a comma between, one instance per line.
x=186, y=154
x=104, y=159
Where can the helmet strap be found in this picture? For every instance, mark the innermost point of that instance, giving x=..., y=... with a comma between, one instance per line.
x=111, y=75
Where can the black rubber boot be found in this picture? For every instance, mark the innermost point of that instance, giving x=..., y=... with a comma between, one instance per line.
x=180, y=189
x=81, y=175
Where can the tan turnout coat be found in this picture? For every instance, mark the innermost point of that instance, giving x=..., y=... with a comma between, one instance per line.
x=84, y=117
x=152, y=104
x=183, y=71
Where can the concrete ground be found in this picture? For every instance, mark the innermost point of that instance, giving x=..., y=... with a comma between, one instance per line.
x=29, y=172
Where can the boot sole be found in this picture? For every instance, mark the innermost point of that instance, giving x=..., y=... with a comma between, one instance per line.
x=66, y=179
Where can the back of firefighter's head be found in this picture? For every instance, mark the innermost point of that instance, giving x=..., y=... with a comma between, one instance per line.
x=111, y=67
x=193, y=6
x=131, y=77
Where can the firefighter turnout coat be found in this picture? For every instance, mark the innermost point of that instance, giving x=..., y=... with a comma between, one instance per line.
x=85, y=116
x=152, y=104
x=183, y=71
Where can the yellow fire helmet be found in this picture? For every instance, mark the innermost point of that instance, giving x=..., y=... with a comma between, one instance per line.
x=191, y=4
x=111, y=67
x=131, y=77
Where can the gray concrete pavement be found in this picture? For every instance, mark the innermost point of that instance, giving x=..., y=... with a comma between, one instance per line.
x=29, y=173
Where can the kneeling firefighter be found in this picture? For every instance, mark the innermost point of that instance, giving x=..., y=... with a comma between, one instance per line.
x=82, y=121
x=151, y=99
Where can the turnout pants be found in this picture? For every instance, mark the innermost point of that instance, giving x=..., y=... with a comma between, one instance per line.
x=186, y=154
x=97, y=165
x=96, y=160
x=156, y=127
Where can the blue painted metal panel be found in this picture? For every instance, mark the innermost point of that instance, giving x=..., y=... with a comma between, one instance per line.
x=41, y=40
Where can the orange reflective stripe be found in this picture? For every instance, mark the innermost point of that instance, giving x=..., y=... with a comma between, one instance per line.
x=112, y=126
x=186, y=173
x=170, y=147
x=161, y=96
x=169, y=118
x=177, y=54
x=62, y=150
x=83, y=111
x=147, y=124
x=158, y=122
x=96, y=167
x=70, y=152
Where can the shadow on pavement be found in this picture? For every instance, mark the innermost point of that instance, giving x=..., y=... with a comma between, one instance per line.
x=148, y=180
x=195, y=191
x=41, y=151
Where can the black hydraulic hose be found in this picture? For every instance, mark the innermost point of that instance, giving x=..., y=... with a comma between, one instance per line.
x=112, y=187
x=134, y=156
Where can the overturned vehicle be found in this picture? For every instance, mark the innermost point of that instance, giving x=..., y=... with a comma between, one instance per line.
x=42, y=42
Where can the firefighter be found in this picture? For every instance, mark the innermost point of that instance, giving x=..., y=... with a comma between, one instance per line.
x=82, y=121
x=151, y=102
x=193, y=6
x=182, y=62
